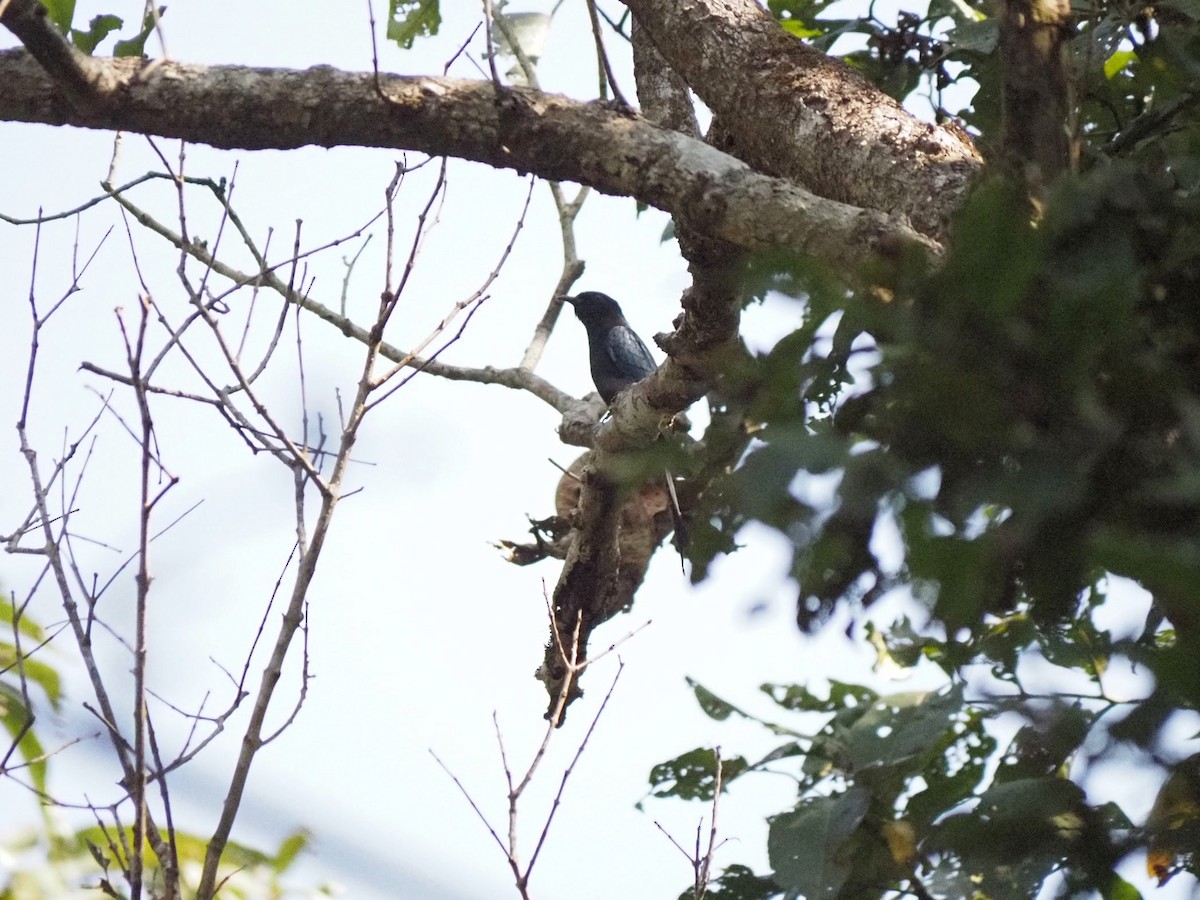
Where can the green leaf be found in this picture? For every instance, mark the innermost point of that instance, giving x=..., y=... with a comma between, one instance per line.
x=1045, y=745
x=954, y=774
x=28, y=626
x=977, y=37
x=35, y=670
x=902, y=727
x=1120, y=889
x=1031, y=803
x=136, y=45
x=16, y=717
x=693, y=775
x=1017, y=835
x=799, y=29
x=720, y=709
x=1005, y=639
x=737, y=882
x=963, y=575
x=804, y=845
x=1079, y=645
x=98, y=29
x=293, y=845
x=901, y=646
x=61, y=13
x=714, y=707
x=841, y=696
x=411, y=19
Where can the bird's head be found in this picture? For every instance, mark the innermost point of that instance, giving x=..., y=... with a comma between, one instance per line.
x=594, y=308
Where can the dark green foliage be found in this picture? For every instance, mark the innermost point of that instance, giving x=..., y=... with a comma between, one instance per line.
x=98, y=29
x=738, y=883
x=411, y=19
x=61, y=13
x=1028, y=424
x=693, y=776
x=808, y=846
x=1027, y=420
x=136, y=45
x=27, y=682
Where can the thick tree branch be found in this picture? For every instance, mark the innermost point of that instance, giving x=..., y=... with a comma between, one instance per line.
x=800, y=114
x=550, y=136
x=613, y=536
x=663, y=95
x=78, y=76
x=596, y=580
x=1036, y=138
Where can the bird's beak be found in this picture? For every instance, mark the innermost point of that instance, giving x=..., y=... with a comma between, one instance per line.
x=570, y=300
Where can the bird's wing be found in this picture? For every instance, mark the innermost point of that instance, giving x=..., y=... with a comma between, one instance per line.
x=629, y=354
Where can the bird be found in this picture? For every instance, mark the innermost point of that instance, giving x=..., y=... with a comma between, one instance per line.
x=619, y=359
x=617, y=355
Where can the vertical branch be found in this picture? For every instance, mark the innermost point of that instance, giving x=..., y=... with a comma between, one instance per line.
x=1036, y=142
x=254, y=737
x=662, y=93
x=606, y=72
x=489, y=16
x=133, y=773
x=293, y=616
x=522, y=872
x=704, y=870
x=137, y=785
x=568, y=211
x=572, y=270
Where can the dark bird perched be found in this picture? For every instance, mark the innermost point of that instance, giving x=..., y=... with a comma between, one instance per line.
x=619, y=359
x=617, y=355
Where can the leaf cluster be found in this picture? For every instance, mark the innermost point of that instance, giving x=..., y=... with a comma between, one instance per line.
x=25, y=680
x=1025, y=423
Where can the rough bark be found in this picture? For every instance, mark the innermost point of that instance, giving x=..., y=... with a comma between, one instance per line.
x=1035, y=141
x=662, y=94
x=550, y=136
x=612, y=538
x=800, y=114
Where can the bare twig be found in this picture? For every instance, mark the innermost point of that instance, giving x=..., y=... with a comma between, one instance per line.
x=702, y=862
x=516, y=788
x=517, y=378
x=606, y=72
x=309, y=549
x=488, y=18
x=58, y=564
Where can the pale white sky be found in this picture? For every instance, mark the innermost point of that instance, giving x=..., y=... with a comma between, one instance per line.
x=419, y=630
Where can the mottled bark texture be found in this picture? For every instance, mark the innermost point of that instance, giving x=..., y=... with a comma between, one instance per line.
x=1036, y=141
x=613, y=538
x=548, y=135
x=662, y=93
x=800, y=114
x=80, y=77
